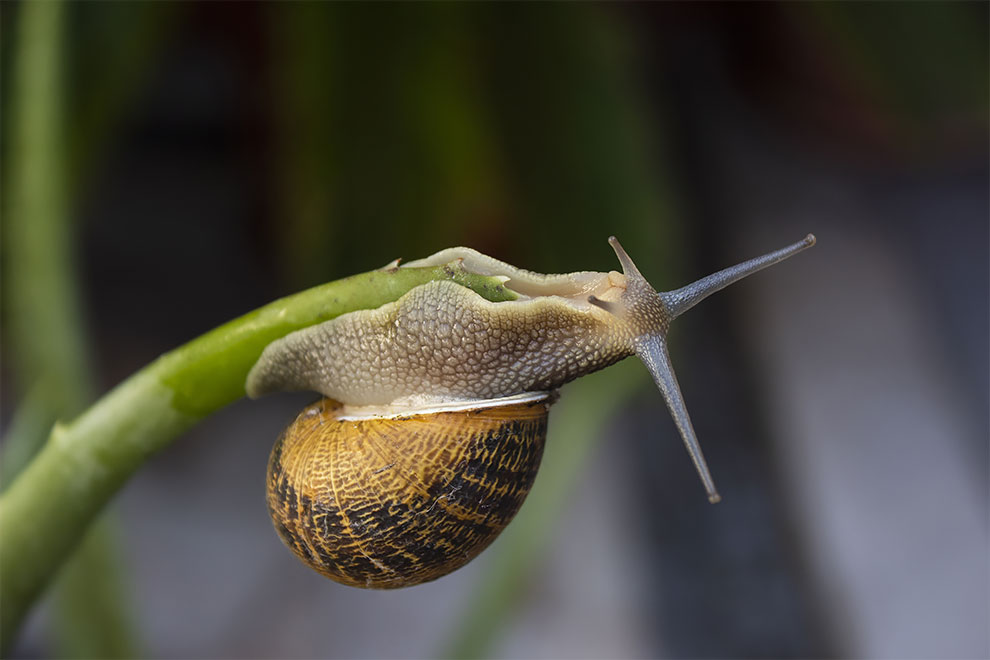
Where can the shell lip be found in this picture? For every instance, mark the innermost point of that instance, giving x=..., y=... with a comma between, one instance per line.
x=414, y=406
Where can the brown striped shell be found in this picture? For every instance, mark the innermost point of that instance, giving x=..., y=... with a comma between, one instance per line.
x=394, y=502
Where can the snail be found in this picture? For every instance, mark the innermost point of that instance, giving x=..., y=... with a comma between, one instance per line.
x=435, y=415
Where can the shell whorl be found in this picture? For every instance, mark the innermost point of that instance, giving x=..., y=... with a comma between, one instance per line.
x=386, y=503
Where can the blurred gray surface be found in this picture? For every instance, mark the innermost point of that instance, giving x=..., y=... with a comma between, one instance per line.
x=841, y=399
x=876, y=441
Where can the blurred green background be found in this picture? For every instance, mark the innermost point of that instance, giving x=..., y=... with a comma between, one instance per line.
x=169, y=166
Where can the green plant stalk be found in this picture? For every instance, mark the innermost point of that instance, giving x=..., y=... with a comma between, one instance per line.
x=95, y=616
x=49, y=507
x=43, y=308
x=43, y=316
x=47, y=336
x=28, y=428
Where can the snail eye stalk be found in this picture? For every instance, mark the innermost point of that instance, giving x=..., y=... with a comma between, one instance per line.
x=651, y=345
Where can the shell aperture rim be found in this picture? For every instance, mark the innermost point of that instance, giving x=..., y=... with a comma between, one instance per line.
x=414, y=406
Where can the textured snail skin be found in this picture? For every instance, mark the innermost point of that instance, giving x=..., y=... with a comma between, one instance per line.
x=445, y=341
x=386, y=503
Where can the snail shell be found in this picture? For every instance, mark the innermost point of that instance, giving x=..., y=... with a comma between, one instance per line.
x=386, y=502
x=430, y=452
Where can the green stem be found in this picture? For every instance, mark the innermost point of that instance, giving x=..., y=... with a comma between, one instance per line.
x=43, y=308
x=47, y=337
x=29, y=426
x=94, y=612
x=48, y=508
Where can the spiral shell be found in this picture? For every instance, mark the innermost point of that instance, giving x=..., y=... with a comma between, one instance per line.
x=386, y=502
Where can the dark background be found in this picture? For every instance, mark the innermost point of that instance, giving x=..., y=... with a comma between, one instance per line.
x=215, y=156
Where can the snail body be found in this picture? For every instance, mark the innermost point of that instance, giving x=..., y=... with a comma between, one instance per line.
x=436, y=411
x=442, y=341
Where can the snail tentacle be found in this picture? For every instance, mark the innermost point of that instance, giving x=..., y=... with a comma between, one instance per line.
x=652, y=351
x=651, y=312
x=683, y=299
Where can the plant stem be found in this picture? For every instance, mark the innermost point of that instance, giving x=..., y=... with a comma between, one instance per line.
x=48, y=508
x=43, y=306
x=47, y=336
x=94, y=613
